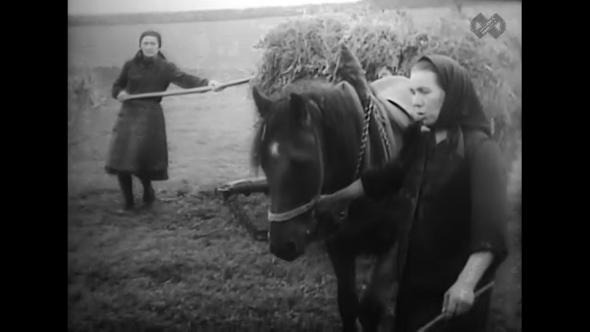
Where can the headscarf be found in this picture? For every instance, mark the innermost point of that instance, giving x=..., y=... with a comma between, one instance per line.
x=461, y=105
x=153, y=34
x=139, y=55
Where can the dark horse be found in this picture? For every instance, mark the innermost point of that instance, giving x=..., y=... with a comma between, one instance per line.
x=308, y=144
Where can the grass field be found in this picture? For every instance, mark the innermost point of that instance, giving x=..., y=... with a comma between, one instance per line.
x=188, y=264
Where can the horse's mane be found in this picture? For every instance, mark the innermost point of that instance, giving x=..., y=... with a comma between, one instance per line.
x=334, y=117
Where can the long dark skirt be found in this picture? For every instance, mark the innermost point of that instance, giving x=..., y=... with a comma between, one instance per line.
x=416, y=310
x=138, y=143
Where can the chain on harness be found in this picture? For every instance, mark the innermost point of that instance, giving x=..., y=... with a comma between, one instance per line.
x=369, y=111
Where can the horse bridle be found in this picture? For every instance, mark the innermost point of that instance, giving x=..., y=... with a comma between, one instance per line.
x=297, y=211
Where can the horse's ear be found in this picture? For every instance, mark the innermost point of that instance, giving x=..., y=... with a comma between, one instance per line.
x=300, y=111
x=261, y=101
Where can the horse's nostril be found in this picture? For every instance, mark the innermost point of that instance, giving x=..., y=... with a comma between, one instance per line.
x=286, y=251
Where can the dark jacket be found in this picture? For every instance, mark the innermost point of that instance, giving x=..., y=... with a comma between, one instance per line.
x=138, y=144
x=456, y=205
x=457, y=190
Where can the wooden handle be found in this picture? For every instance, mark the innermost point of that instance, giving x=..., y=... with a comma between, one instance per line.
x=187, y=91
x=442, y=316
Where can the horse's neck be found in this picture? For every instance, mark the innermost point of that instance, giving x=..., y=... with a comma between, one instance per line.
x=339, y=163
x=339, y=158
x=342, y=147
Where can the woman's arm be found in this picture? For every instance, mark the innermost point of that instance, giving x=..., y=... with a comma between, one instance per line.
x=381, y=181
x=352, y=191
x=488, y=202
x=121, y=81
x=183, y=79
x=475, y=267
x=374, y=183
x=388, y=179
x=461, y=296
x=339, y=200
x=488, y=243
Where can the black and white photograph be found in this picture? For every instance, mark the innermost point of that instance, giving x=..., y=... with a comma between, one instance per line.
x=294, y=165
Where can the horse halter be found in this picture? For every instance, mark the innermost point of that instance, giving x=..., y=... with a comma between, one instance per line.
x=297, y=211
x=288, y=215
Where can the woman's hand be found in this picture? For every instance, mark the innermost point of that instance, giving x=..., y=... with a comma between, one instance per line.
x=458, y=299
x=122, y=96
x=334, y=204
x=215, y=85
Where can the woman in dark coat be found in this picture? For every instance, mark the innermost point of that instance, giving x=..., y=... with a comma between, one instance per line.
x=452, y=180
x=138, y=146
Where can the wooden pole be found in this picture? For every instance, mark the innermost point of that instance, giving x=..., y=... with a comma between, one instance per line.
x=442, y=316
x=187, y=91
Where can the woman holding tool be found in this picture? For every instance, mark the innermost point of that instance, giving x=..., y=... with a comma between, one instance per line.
x=452, y=177
x=138, y=145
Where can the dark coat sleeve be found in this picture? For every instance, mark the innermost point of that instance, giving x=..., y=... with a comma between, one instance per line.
x=382, y=181
x=389, y=178
x=121, y=81
x=488, y=201
x=183, y=79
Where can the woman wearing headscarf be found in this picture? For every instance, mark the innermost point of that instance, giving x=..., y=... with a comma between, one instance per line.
x=138, y=145
x=453, y=182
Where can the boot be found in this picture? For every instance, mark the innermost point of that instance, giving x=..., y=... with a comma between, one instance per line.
x=126, y=184
x=149, y=196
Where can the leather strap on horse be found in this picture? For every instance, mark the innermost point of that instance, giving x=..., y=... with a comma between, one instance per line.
x=368, y=113
x=381, y=121
x=285, y=216
x=290, y=214
x=371, y=113
x=350, y=70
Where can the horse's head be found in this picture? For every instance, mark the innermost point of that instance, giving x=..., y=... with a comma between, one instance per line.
x=288, y=148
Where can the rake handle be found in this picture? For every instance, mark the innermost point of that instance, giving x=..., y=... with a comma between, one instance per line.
x=442, y=316
x=187, y=91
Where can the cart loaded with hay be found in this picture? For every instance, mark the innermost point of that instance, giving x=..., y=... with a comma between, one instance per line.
x=366, y=52
x=377, y=47
x=368, y=56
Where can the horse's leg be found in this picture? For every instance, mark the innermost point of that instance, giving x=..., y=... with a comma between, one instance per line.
x=375, y=311
x=344, y=268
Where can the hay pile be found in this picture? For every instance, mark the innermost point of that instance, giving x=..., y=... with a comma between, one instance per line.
x=389, y=41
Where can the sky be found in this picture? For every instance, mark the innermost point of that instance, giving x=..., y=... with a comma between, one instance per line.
x=98, y=7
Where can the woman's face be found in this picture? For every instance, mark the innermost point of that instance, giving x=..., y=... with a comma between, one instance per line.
x=427, y=95
x=149, y=46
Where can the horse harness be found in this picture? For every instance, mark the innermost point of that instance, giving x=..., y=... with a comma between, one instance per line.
x=369, y=112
